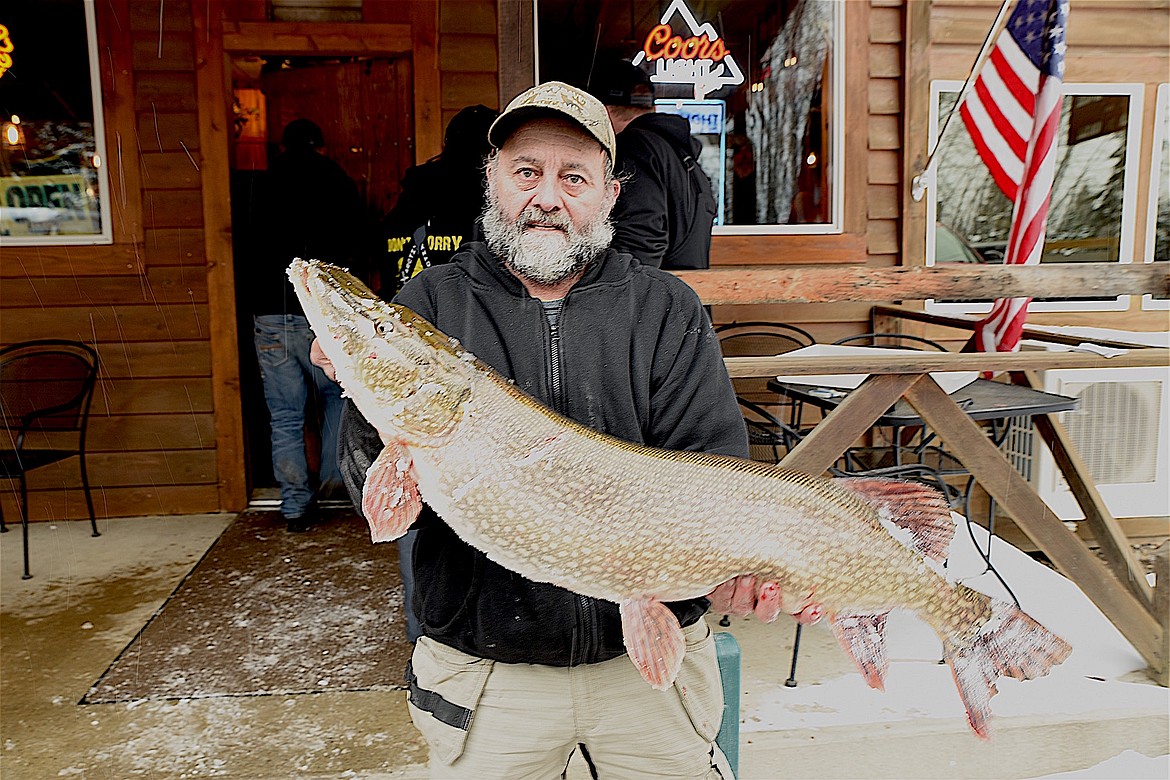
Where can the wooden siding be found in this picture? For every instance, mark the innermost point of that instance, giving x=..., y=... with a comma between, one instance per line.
x=164, y=437
x=468, y=61
x=141, y=302
x=906, y=44
x=158, y=302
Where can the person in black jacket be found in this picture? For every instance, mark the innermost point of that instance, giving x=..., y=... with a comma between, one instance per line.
x=666, y=208
x=438, y=208
x=511, y=676
x=309, y=208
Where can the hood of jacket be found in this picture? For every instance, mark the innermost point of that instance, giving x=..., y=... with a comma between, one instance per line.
x=676, y=129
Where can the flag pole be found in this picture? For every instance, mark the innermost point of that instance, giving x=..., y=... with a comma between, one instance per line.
x=920, y=183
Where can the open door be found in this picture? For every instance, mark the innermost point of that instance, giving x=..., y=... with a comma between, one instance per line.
x=364, y=107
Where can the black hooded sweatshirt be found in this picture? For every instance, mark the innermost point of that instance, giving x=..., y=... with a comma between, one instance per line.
x=664, y=214
x=637, y=358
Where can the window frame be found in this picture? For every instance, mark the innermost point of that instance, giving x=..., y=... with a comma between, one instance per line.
x=838, y=104
x=1126, y=244
x=105, y=203
x=1161, y=131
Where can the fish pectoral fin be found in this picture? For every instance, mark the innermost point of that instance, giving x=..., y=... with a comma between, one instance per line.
x=863, y=635
x=390, y=498
x=913, y=506
x=653, y=639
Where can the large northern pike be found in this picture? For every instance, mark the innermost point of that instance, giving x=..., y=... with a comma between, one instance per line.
x=559, y=502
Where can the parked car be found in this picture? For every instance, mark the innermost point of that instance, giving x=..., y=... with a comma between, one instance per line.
x=950, y=247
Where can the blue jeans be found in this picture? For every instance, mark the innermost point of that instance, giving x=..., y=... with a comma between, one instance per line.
x=282, y=349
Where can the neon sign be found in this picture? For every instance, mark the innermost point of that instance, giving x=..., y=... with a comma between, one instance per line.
x=700, y=58
x=6, y=48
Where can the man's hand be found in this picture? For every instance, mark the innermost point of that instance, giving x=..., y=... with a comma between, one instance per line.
x=748, y=595
x=318, y=358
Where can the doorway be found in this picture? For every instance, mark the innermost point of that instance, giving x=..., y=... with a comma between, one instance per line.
x=364, y=107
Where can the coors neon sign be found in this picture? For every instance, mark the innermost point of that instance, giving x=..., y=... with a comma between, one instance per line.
x=695, y=56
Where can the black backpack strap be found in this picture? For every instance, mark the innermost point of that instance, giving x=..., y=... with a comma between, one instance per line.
x=417, y=258
x=700, y=185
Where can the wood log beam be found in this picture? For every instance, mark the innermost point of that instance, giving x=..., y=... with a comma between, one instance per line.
x=913, y=362
x=722, y=286
x=967, y=322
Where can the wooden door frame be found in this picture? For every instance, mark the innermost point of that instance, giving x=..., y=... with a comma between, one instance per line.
x=215, y=41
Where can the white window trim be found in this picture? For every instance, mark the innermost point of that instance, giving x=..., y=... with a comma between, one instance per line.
x=99, y=145
x=835, y=225
x=1161, y=109
x=836, y=75
x=1135, y=93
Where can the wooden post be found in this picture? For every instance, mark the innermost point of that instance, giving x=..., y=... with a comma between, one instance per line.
x=1162, y=610
x=847, y=423
x=212, y=88
x=968, y=443
x=514, y=26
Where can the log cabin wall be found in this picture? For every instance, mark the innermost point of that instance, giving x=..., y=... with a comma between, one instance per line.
x=143, y=301
x=468, y=63
x=165, y=433
x=904, y=44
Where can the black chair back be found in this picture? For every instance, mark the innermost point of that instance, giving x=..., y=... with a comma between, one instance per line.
x=46, y=385
x=892, y=341
x=759, y=339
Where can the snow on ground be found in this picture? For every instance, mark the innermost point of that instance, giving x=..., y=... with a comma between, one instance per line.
x=917, y=686
x=1130, y=765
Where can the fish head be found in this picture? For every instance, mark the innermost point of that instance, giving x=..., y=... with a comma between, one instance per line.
x=407, y=378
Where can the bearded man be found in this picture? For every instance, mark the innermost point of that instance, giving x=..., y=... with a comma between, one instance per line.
x=510, y=676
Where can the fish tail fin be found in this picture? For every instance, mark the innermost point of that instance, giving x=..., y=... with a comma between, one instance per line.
x=1009, y=644
x=863, y=635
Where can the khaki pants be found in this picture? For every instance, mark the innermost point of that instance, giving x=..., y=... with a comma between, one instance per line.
x=484, y=719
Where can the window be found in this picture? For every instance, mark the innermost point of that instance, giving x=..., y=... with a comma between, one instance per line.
x=1158, y=221
x=757, y=79
x=1091, y=215
x=52, y=152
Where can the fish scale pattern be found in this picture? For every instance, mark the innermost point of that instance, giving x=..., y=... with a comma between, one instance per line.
x=558, y=502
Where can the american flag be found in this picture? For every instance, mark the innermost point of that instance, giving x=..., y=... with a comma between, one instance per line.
x=1013, y=115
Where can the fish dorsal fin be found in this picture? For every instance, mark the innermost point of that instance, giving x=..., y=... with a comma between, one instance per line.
x=917, y=508
x=654, y=640
x=390, y=499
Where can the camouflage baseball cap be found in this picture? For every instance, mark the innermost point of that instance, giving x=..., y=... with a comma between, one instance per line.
x=555, y=98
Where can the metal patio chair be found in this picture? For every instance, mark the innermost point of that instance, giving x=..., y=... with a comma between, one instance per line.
x=46, y=387
x=762, y=339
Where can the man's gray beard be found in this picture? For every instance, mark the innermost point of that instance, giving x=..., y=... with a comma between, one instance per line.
x=545, y=258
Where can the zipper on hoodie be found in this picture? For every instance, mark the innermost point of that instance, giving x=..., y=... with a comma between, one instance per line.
x=554, y=349
x=586, y=608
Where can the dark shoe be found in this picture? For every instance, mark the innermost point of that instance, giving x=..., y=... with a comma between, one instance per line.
x=301, y=523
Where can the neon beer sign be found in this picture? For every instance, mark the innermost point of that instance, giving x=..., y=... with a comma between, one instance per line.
x=699, y=58
x=662, y=42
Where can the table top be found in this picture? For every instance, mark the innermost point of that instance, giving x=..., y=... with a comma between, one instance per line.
x=981, y=400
